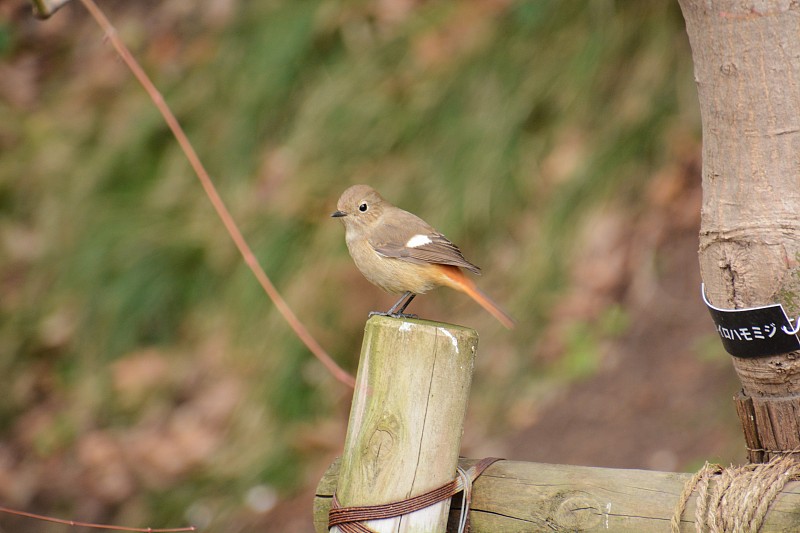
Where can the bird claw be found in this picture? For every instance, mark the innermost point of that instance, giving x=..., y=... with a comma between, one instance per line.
x=391, y=315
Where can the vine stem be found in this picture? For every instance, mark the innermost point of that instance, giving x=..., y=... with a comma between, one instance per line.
x=75, y=523
x=219, y=206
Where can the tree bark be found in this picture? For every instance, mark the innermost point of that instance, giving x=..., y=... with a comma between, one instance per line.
x=747, y=68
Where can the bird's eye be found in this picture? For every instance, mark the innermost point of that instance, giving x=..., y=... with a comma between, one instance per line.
x=363, y=207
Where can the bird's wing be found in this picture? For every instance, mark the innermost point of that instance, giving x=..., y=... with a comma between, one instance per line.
x=409, y=238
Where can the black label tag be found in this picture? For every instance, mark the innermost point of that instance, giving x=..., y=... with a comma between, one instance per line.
x=754, y=332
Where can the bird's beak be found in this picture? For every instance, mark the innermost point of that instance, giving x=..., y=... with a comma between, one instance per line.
x=338, y=214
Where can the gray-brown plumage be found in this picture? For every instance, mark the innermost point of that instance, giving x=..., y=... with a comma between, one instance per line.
x=401, y=253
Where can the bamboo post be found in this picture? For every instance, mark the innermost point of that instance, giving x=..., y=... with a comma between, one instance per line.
x=514, y=496
x=406, y=419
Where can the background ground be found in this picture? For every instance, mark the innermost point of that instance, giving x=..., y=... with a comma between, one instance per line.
x=147, y=380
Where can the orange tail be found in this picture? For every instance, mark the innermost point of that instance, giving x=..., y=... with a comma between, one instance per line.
x=456, y=279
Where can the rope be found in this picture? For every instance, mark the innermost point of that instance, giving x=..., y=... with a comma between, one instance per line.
x=739, y=500
x=466, y=499
x=771, y=452
x=348, y=519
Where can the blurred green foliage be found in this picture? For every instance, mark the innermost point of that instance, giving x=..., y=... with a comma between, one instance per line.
x=502, y=123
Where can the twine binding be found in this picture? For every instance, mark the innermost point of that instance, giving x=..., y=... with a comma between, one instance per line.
x=350, y=519
x=739, y=500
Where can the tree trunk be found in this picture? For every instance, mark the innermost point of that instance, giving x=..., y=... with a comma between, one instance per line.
x=747, y=68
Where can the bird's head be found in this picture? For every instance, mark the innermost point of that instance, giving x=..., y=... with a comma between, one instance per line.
x=359, y=206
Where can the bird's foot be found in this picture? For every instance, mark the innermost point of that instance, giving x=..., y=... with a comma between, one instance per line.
x=392, y=315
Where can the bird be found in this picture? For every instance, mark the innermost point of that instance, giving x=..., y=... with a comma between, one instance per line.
x=402, y=254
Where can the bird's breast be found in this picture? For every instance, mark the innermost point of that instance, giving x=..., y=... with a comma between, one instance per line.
x=390, y=274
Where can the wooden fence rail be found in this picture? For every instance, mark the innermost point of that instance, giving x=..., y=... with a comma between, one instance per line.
x=514, y=496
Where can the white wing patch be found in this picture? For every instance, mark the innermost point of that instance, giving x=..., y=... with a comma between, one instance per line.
x=418, y=240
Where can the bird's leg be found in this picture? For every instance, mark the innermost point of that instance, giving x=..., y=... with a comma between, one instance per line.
x=402, y=309
x=393, y=312
x=407, y=294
